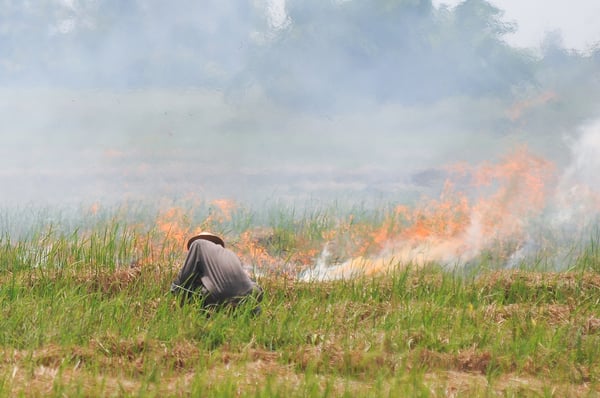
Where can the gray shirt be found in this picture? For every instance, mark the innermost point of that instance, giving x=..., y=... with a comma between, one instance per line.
x=218, y=269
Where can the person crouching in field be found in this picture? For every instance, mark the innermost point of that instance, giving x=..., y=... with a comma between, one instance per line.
x=214, y=275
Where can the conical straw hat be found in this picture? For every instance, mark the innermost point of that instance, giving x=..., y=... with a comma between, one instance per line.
x=206, y=236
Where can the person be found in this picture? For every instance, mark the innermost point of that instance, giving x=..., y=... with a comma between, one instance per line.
x=214, y=275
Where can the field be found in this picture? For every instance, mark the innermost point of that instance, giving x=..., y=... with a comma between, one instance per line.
x=86, y=310
x=413, y=184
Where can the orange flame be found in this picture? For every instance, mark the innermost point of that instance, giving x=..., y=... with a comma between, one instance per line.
x=480, y=207
x=452, y=229
x=225, y=207
x=172, y=224
x=94, y=208
x=516, y=111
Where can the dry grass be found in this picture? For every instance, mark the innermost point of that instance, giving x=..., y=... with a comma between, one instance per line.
x=414, y=333
x=449, y=375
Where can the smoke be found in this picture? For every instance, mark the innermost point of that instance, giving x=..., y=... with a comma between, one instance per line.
x=585, y=160
x=273, y=100
x=528, y=214
x=571, y=215
x=577, y=199
x=492, y=212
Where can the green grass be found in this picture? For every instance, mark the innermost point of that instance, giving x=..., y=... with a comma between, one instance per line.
x=85, y=311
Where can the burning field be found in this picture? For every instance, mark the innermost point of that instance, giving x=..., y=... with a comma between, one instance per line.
x=414, y=187
x=517, y=211
x=487, y=289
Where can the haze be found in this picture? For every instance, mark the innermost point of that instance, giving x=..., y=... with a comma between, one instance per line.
x=107, y=101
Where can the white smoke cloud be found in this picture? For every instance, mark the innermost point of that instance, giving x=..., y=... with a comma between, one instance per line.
x=585, y=166
x=577, y=198
x=566, y=226
x=278, y=18
x=65, y=26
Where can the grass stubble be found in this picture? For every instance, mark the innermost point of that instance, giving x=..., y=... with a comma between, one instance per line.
x=80, y=318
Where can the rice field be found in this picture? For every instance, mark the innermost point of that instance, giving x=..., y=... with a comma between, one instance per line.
x=86, y=311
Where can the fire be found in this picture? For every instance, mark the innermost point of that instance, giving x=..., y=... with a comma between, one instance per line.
x=252, y=252
x=225, y=207
x=516, y=111
x=443, y=218
x=94, y=209
x=173, y=226
x=522, y=187
x=482, y=207
x=455, y=228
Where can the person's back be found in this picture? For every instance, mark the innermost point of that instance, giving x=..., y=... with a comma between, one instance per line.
x=221, y=271
x=215, y=273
